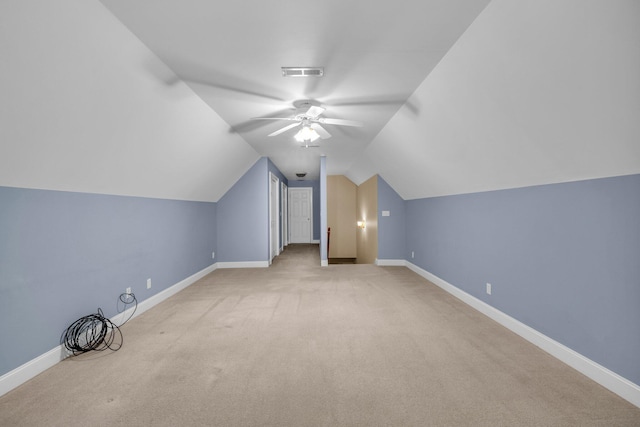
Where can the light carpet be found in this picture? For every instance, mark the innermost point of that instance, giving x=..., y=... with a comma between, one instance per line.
x=302, y=345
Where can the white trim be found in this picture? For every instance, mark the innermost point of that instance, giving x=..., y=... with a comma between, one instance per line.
x=36, y=366
x=391, y=262
x=315, y=242
x=274, y=222
x=311, y=217
x=603, y=376
x=598, y=373
x=324, y=263
x=24, y=373
x=244, y=264
x=284, y=214
x=163, y=295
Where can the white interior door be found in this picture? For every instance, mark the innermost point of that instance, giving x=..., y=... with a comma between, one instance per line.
x=300, y=215
x=284, y=215
x=274, y=217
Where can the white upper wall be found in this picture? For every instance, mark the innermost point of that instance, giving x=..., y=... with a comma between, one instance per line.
x=534, y=92
x=85, y=106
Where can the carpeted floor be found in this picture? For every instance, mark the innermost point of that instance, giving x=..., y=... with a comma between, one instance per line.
x=302, y=345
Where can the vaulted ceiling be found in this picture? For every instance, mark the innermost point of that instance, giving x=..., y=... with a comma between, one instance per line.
x=154, y=98
x=374, y=55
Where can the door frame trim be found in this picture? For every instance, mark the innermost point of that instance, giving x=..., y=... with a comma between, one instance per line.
x=311, y=219
x=274, y=184
x=284, y=214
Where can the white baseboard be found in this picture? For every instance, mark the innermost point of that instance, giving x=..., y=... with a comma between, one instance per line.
x=324, y=263
x=244, y=264
x=163, y=295
x=25, y=372
x=317, y=242
x=391, y=262
x=603, y=376
x=598, y=373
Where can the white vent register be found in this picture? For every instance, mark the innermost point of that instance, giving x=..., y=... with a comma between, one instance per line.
x=302, y=71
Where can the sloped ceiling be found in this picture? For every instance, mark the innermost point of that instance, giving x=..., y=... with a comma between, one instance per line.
x=153, y=98
x=79, y=111
x=374, y=54
x=534, y=92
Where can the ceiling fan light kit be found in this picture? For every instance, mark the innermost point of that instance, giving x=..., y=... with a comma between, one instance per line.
x=308, y=116
x=306, y=134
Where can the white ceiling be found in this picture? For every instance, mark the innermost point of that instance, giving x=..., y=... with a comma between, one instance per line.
x=80, y=112
x=534, y=92
x=374, y=53
x=153, y=98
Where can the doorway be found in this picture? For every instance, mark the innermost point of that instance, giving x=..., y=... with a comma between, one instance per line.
x=274, y=217
x=300, y=215
x=284, y=215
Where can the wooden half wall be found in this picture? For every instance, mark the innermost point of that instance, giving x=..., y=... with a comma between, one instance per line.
x=367, y=211
x=347, y=204
x=341, y=216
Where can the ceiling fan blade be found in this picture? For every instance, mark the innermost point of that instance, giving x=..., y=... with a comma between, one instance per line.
x=249, y=125
x=314, y=111
x=321, y=131
x=397, y=100
x=200, y=75
x=284, y=129
x=274, y=118
x=340, y=122
x=228, y=88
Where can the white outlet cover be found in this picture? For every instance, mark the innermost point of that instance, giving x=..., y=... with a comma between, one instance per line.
x=148, y=283
x=386, y=213
x=489, y=288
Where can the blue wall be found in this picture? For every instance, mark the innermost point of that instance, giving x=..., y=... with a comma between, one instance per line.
x=63, y=255
x=563, y=259
x=243, y=215
x=391, y=229
x=315, y=185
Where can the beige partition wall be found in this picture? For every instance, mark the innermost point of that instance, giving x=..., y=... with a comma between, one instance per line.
x=367, y=213
x=341, y=216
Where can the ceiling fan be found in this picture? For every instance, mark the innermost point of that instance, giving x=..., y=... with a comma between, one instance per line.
x=308, y=116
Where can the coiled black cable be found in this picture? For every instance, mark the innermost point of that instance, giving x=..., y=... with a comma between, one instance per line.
x=96, y=332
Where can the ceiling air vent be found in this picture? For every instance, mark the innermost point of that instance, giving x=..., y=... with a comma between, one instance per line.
x=302, y=71
x=301, y=174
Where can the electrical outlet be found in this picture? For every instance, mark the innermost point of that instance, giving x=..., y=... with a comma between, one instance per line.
x=128, y=291
x=489, y=288
x=412, y=254
x=213, y=255
x=148, y=283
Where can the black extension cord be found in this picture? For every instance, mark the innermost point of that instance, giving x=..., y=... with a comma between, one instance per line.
x=96, y=332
